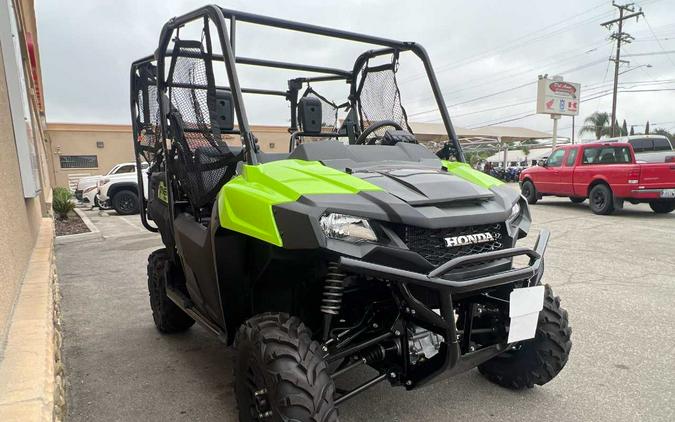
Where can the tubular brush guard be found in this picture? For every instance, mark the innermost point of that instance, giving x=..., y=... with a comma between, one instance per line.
x=450, y=361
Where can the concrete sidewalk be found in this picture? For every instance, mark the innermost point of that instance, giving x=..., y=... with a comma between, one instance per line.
x=30, y=372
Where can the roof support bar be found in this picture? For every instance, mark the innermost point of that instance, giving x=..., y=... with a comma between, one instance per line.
x=311, y=29
x=343, y=74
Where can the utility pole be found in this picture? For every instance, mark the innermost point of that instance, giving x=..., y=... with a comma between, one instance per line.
x=620, y=37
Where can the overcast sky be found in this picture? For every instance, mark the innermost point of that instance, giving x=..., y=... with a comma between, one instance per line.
x=487, y=55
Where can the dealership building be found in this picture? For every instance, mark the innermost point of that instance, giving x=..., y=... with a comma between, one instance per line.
x=85, y=149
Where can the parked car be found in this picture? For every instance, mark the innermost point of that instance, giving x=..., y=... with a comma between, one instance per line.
x=647, y=148
x=87, y=188
x=120, y=192
x=606, y=173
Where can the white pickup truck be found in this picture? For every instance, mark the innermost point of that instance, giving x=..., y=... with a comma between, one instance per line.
x=87, y=187
x=120, y=192
x=647, y=148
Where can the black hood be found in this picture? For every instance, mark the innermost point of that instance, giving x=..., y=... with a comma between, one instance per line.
x=423, y=186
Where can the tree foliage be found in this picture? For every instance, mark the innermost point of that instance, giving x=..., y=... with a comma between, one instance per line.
x=598, y=123
x=62, y=202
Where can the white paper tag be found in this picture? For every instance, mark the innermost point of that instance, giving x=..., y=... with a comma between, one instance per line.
x=524, y=307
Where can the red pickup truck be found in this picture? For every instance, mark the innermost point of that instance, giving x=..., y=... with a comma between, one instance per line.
x=606, y=173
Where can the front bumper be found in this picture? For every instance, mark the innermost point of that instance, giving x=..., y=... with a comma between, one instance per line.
x=103, y=202
x=450, y=361
x=436, y=279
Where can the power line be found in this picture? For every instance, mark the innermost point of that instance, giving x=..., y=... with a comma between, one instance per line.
x=504, y=76
x=653, y=53
x=482, y=97
x=608, y=92
x=588, y=89
x=517, y=42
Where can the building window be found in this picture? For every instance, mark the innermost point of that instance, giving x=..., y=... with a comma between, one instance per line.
x=78, y=161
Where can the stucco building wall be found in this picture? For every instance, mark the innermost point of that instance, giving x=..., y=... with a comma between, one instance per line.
x=117, y=146
x=19, y=217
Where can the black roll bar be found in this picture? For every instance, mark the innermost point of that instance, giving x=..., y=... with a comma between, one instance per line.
x=214, y=14
x=217, y=15
x=134, y=128
x=343, y=74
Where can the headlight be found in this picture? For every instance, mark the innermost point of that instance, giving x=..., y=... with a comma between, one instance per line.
x=515, y=213
x=103, y=182
x=347, y=227
x=90, y=188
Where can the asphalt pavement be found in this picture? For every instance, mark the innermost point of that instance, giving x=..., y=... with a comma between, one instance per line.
x=615, y=275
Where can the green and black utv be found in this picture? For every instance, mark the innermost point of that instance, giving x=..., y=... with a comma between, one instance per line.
x=357, y=247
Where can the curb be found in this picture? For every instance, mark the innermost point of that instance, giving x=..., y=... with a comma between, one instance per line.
x=94, y=232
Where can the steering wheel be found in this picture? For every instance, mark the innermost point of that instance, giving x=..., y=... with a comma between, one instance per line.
x=363, y=138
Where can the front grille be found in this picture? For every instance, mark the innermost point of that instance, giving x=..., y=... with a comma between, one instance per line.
x=431, y=244
x=78, y=194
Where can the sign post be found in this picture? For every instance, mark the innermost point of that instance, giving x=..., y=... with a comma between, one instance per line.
x=557, y=98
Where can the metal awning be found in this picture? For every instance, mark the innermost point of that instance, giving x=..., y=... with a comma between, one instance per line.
x=436, y=132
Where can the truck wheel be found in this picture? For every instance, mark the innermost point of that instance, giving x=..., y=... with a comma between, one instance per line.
x=535, y=361
x=601, y=199
x=125, y=202
x=577, y=200
x=169, y=318
x=529, y=192
x=280, y=372
x=662, y=207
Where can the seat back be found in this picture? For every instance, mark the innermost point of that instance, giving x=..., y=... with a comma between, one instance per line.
x=378, y=97
x=199, y=115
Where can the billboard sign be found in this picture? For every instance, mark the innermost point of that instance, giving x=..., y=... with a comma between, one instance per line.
x=558, y=97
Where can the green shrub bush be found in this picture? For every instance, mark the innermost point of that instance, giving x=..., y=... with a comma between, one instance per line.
x=62, y=202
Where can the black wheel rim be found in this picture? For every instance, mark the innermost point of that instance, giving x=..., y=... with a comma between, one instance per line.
x=599, y=200
x=526, y=191
x=127, y=203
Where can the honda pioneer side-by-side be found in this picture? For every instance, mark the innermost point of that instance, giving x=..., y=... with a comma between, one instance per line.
x=357, y=247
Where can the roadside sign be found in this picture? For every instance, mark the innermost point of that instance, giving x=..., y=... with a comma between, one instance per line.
x=558, y=97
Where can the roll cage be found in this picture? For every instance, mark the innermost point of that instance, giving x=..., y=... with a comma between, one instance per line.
x=151, y=77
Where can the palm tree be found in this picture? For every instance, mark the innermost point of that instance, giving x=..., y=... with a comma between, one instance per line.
x=526, y=152
x=597, y=123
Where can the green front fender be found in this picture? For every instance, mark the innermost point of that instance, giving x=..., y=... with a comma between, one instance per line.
x=245, y=202
x=471, y=175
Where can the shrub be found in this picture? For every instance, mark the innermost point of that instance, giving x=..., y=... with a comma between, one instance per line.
x=62, y=202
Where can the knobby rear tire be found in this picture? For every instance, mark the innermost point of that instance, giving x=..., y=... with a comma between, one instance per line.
x=168, y=317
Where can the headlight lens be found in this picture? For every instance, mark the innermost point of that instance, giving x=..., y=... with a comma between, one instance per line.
x=515, y=213
x=103, y=182
x=347, y=227
x=90, y=188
